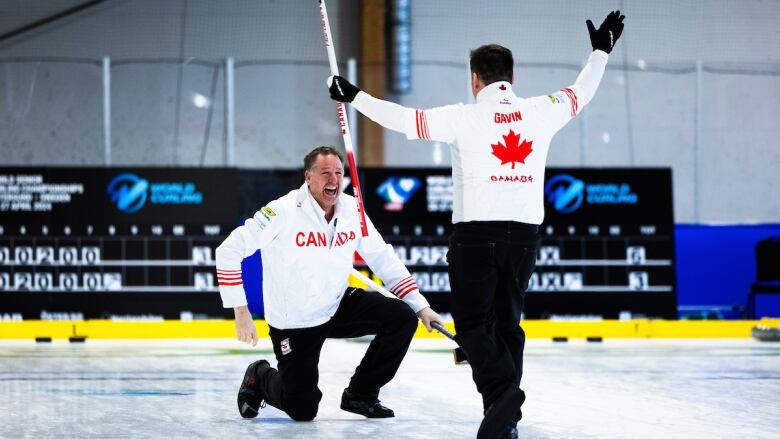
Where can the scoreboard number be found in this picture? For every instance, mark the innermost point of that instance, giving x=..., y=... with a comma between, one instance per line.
x=439, y=256
x=440, y=282
x=112, y=281
x=68, y=255
x=635, y=255
x=44, y=255
x=549, y=255
x=637, y=280
x=23, y=281
x=92, y=281
x=551, y=281
x=23, y=255
x=201, y=255
x=43, y=282
x=420, y=255
x=4, y=281
x=203, y=281
x=423, y=281
x=4, y=255
x=533, y=282
x=90, y=255
x=572, y=281
x=68, y=281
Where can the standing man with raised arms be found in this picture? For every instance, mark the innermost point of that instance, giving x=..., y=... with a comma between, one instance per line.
x=499, y=150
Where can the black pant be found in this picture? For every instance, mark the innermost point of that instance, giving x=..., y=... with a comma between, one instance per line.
x=293, y=387
x=490, y=263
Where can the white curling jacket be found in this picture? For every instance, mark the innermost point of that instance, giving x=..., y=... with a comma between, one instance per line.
x=498, y=145
x=306, y=262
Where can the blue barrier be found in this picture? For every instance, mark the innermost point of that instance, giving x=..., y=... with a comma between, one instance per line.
x=715, y=267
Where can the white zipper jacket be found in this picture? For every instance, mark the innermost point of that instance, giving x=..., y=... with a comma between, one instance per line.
x=498, y=145
x=306, y=261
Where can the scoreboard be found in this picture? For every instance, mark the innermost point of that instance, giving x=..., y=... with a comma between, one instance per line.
x=138, y=243
x=607, y=241
x=112, y=243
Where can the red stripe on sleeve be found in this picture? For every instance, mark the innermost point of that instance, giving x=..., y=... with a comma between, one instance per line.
x=407, y=291
x=572, y=100
x=402, y=285
x=417, y=119
x=426, y=133
x=229, y=284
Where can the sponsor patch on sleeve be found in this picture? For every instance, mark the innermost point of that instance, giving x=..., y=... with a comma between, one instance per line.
x=558, y=98
x=266, y=213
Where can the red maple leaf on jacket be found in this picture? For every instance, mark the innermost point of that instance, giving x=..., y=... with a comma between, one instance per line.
x=512, y=150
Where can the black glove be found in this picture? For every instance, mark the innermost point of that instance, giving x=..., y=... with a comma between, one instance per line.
x=341, y=90
x=608, y=33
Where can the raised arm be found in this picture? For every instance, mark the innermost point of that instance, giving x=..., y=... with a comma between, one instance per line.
x=387, y=114
x=566, y=103
x=602, y=40
x=436, y=124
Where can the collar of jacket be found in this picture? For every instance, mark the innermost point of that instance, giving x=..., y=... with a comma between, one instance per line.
x=496, y=90
x=306, y=201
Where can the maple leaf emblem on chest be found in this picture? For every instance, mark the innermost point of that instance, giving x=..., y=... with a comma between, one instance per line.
x=512, y=150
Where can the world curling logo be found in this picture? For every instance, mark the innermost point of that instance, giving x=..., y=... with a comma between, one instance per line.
x=130, y=192
x=566, y=193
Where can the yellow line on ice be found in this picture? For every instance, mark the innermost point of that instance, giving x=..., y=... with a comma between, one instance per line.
x=544, y=329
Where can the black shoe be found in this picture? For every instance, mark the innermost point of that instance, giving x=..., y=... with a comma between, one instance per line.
x=250, y=395
x=366, y=406
x=501, y=413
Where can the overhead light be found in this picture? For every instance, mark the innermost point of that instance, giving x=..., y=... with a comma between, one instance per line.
x=200, y=101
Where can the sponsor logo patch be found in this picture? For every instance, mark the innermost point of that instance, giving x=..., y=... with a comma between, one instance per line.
x=558, y=98
x=285, y=346
x=267, y=213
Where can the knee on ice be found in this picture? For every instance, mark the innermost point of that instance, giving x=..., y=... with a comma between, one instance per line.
x=303, y=411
